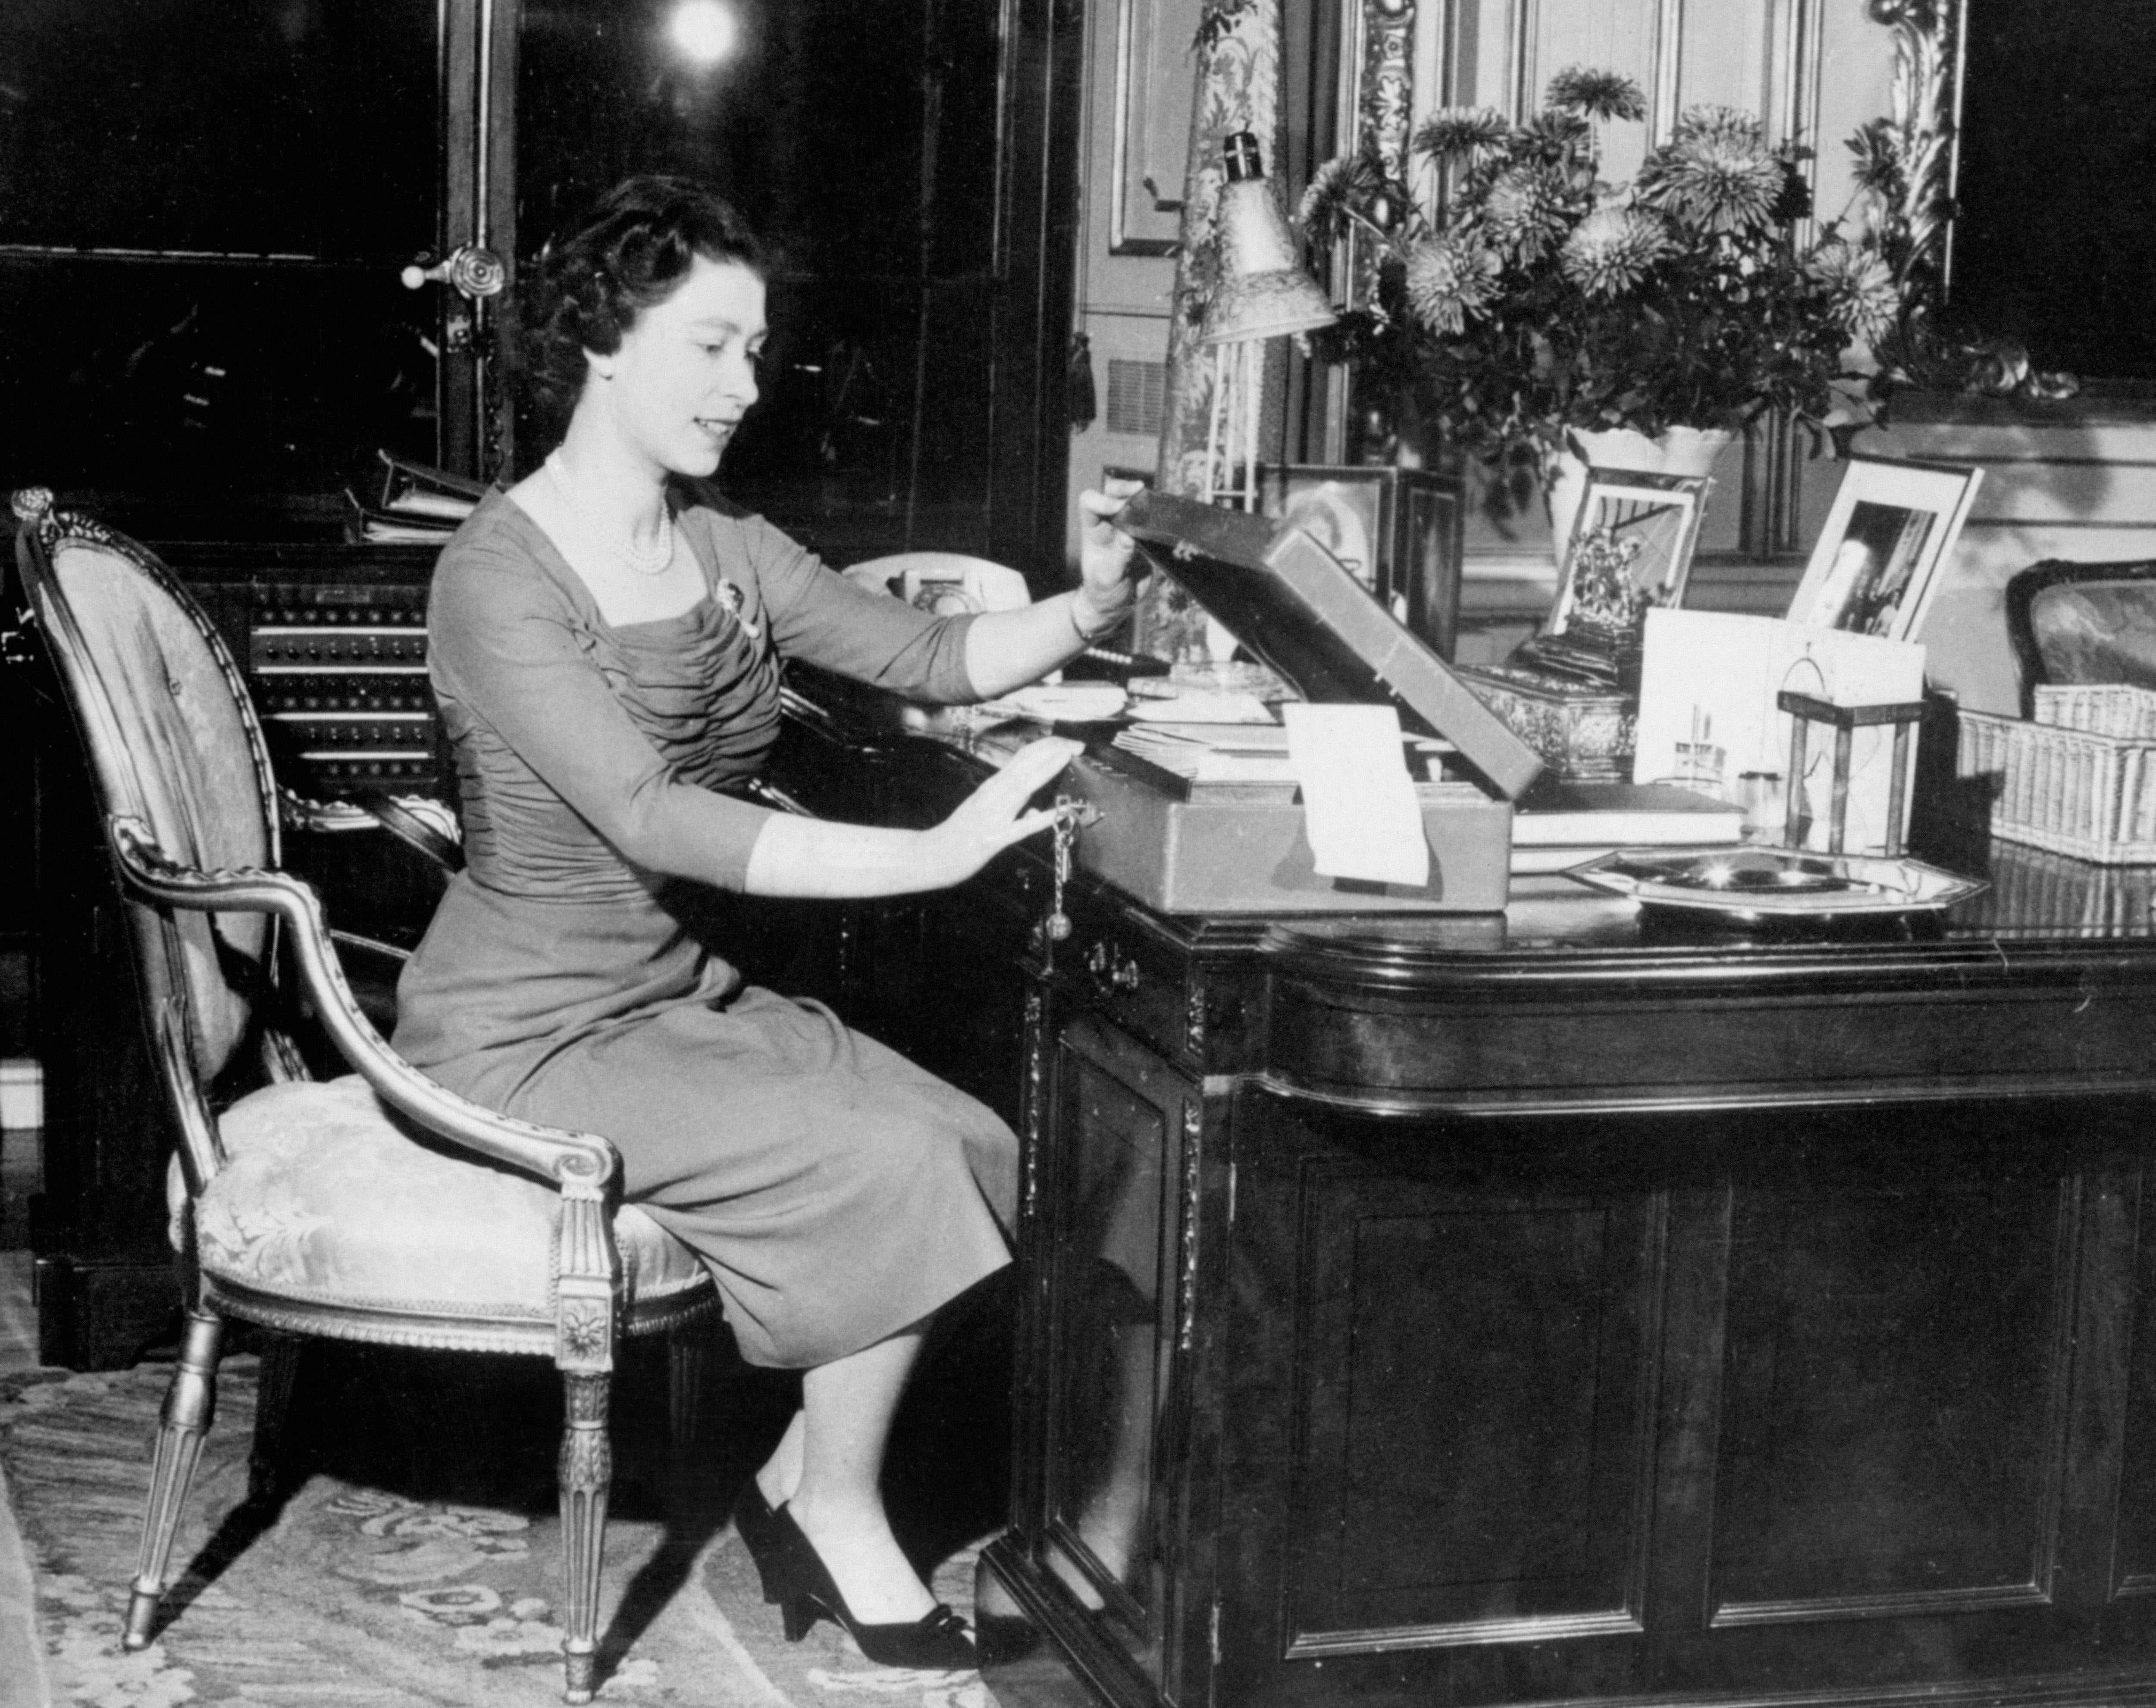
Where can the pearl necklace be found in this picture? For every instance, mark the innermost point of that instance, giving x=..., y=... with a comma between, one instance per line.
x=645, y=560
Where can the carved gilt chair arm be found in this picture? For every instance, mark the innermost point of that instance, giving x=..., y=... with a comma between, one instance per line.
x=583, y=1165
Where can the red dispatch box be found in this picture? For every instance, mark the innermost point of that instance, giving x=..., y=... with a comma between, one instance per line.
x=1184, y=846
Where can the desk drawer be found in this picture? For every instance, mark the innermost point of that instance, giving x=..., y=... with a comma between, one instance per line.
x=1139, y=982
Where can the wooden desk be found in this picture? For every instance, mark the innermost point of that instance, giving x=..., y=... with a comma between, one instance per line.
x=1558, y=1307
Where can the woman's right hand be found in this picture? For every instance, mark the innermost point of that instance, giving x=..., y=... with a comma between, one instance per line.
x=995, y=816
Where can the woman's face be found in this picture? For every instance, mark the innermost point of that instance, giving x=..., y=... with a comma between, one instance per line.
x=685, y=372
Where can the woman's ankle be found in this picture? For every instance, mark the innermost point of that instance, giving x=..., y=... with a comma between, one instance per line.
x=866, y=1564
x=780, y=1475
x=840, y=1520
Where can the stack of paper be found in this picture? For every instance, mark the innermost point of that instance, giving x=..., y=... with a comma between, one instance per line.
x=1198, y=705
x=1557, y=825
x=1065, y=702
x=1206, y=752
x=1212, y=752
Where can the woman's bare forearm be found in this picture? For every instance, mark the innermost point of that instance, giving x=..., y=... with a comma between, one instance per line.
x=1007, y=649
x=815, y=858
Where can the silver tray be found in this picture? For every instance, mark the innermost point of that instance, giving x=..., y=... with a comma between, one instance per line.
x=1774, y=882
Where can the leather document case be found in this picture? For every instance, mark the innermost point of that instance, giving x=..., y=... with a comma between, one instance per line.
x=1184, y=846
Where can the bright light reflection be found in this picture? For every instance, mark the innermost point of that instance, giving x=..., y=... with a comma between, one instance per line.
x=704, y=30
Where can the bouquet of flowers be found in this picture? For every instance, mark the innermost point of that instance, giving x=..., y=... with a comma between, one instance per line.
x=1524, y=297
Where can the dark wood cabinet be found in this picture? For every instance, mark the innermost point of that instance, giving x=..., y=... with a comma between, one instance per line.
x=1109, y=1412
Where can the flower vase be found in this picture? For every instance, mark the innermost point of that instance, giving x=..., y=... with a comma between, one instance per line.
x=1677, y=450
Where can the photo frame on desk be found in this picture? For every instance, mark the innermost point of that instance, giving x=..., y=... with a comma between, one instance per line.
x=1875, y=567
x=1398, y=531
x=1631, y=549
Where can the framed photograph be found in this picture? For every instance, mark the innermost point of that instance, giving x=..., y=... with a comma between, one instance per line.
x=1875, y=568
x=1396, y=531
x=1630, y=549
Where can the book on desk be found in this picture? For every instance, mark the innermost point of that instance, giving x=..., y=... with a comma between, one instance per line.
x=1558, y=824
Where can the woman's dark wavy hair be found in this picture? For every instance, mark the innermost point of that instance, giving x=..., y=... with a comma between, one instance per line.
x=629, y=254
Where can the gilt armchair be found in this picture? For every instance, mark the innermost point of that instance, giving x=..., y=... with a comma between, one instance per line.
x=377, y=1206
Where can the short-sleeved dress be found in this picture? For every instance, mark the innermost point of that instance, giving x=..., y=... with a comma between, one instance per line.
x=837, y=1192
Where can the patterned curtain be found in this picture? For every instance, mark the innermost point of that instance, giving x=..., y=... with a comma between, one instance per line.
x=1237, y=60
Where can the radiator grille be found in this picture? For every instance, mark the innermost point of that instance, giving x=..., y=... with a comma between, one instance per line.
x=1137, y=397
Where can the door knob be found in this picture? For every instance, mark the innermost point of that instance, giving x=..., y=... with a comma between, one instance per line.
x=474, y=271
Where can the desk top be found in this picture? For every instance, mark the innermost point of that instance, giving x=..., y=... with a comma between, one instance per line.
x=1571, y=1001
x=2032, y=897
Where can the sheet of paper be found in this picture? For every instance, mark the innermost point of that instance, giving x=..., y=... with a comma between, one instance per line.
x=1068, y=702
x=1202, y=706
x=1359, y=806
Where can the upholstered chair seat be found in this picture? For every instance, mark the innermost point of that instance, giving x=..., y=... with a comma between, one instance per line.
x=328, y=1200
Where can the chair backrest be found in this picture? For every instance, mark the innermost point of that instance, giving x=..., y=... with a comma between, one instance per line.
x=2083, y=623
x=172, y=738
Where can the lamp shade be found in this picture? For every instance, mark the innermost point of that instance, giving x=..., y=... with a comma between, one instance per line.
x=1263, y=291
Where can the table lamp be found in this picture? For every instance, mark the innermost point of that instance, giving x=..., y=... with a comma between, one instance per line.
x=1262, y=293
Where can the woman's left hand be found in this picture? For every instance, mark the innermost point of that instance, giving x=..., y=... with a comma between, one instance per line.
x=1105, y=552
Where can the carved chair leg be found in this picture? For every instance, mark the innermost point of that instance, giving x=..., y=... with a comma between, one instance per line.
x=688, y=1357
x=273, y=1412
x=587, y=1473
x=190, y=1406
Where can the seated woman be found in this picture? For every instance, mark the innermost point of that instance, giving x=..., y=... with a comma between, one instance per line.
x=606, y=650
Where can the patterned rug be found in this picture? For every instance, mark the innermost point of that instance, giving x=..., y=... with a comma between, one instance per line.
x=415, y=1559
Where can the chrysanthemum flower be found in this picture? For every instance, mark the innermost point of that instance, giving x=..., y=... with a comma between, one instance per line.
x=1596, y=94
x=1729, y=125
x=1460, y=133
x=1524, y=211
x=1610, y=250
x=1553, y=134
x=1876, y=157
x=1860, y=288
x=1337, y=190
x=1448, y=279
x=1716, y=178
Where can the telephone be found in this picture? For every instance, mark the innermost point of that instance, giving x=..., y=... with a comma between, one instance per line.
x=947, y=584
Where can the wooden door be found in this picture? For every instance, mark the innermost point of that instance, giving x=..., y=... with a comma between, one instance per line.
x=1103, y=1451
x=204, y=218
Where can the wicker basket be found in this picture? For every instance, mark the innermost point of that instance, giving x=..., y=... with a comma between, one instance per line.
x=2076, y=791
x=2102, y=708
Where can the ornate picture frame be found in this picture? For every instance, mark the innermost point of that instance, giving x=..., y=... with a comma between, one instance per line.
x=1875, y=568
x=1631, y=547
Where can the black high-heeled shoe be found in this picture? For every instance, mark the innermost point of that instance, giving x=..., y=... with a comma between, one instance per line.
x=758, y=1525
x=936, y=1642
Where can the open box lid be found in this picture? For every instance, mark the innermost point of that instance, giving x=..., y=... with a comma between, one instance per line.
x=1293, y=605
